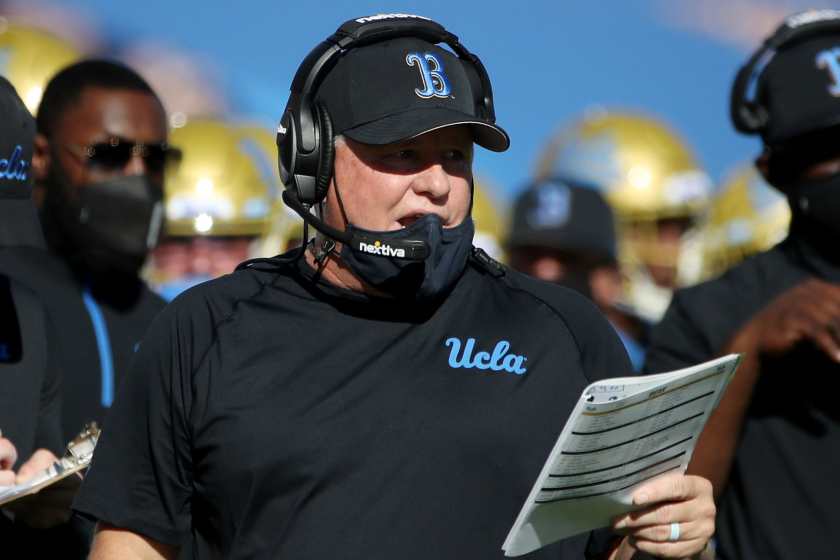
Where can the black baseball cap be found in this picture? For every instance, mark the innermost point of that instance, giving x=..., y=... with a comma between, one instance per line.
x=397, y=89
x=564, y=215
x=798, y=83
x=18, y=218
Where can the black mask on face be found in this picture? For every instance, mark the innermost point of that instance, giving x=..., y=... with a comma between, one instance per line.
x=112, y=224
x=416, y=280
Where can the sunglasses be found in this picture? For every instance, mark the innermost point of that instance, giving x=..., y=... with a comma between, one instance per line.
x=115, y=154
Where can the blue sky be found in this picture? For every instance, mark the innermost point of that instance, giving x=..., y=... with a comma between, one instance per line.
x=548, y=61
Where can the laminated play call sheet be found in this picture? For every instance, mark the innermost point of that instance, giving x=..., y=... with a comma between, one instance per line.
x=622, y=435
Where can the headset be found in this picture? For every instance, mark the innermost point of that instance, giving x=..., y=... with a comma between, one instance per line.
x=748, y=114
x=305, y=141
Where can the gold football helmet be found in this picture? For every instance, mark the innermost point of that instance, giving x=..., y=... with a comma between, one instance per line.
x=657, y=190
x=224, y=184
x=216, y=204
x=29, y=58
x=746, y=217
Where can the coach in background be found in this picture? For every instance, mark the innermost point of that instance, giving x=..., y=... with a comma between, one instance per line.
x=100, y=152
x=772, y=446
x=565, y=233
x=356, y=403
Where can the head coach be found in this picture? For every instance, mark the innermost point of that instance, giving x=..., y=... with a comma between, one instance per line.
x=387, y=391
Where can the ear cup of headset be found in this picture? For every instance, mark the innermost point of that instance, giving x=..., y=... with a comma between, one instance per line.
x=326, y=156
x=286, y=148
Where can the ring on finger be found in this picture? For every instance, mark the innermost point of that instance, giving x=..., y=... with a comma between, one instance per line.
x=675, y=532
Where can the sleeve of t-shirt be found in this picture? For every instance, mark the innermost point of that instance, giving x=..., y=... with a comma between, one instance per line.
x=677, y=341
x=48, y=432
x=602, y=353
x=141, y=476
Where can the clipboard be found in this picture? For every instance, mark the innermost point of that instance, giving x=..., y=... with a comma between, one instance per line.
x=77, y=456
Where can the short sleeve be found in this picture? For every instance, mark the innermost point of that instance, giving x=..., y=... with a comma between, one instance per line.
x=141, y=475
x=602, y=353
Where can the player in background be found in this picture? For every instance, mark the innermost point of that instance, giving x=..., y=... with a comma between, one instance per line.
x=658, y=192
x=746, y=216
x=217, y=204
x=564, y=233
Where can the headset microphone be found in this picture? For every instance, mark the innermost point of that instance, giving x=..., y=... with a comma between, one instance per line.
x=408, y=249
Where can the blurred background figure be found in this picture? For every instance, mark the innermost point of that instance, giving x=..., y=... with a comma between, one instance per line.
x=746, y=216
x=217, y=204
x=657, y=190
x=565, y=233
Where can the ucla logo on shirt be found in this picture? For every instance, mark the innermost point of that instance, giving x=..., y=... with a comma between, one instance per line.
x=14, y=167
x=498, y=360
x=830, y=60
x=435, y=82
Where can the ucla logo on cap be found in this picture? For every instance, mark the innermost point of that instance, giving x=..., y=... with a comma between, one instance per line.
x=830, y=60
x=435, y=82
x=552, y=206
x=14, y=167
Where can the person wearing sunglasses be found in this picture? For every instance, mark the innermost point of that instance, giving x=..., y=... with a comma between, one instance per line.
x=100, y=156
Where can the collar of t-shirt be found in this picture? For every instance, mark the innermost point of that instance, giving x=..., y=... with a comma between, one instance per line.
x=353, y=302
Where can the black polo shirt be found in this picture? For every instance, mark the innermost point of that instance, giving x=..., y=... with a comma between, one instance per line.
x=782, y=494
x=270, y=414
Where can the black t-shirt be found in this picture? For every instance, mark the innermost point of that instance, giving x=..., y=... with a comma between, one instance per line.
x=98, y=323
x=274, y=415
x=782, y=494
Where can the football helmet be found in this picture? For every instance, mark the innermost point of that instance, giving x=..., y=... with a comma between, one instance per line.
x=29, y=58
x=657, y=190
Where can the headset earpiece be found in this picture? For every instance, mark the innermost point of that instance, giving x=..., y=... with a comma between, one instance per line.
x=327, y=152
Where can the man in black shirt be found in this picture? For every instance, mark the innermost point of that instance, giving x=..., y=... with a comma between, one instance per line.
x=354, y=403
x=98, y=168
x=777, y=428
x=41, y=525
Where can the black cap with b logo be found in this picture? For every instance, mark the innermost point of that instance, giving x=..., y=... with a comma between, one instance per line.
x=18, y=219
x=397, y=89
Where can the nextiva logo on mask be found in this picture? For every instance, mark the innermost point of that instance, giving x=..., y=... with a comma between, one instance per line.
x=435, y=82
x=497, y=361
x=379, y=249
x=14, y=168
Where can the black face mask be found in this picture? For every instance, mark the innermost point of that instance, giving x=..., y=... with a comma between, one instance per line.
x=112, y=224
x=416, y=280
x=817, y=205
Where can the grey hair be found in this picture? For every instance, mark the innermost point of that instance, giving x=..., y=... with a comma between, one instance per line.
x=339, y=140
